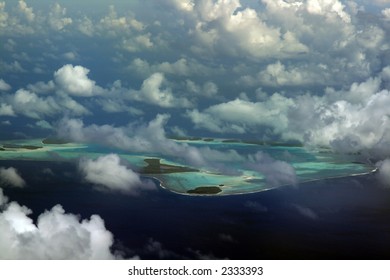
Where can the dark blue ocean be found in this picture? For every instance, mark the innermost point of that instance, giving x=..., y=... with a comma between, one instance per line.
x=343, y=218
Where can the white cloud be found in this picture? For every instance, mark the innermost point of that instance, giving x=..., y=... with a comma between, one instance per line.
x=152, y=92
x=4, y=86
x=27, y=11
x=70, y=55
x=70, y=106
x=57, y=18
x=277, y=74
x=386, y=14
x=229, y=27
x=371, y=37
x=208, y=89
x=186, y=5
x=3, y=15
x=138, y=43
x=239, y=116
x=86, y=26
x=108, y=172
x=350, y=120
x=27, y=103
x=336, y=36
x=74, y=80
x=10, y=176
x=328, y=8
x=117, y=25
x=181, y=67
x=6, y=110
x=56, y=234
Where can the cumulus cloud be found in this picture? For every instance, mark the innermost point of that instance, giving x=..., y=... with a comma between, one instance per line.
x=42, y=87
x=4, y=86
x=116, y=24
x=276, y=172
x=6, y=110
x=208, y=89
x=70, y=56
x=57, y=18
x=351, y=120
x=386, y=14
x=234, y=29
x=152, y=92
x=56, y=234
x=74, y=80
x=11, y=177
x=3, y=15
x=181, y=67
x=138, y=43
x=26, y=10
x=330, y=9
x=30, y=104
x=108, y=172
x=47, y=99
x=277, y=74
x=240, y=116
x=186, y=5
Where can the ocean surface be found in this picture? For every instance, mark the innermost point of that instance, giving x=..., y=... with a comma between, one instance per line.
x=336, y=218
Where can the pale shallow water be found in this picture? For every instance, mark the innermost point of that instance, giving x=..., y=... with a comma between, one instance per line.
x=309, y=165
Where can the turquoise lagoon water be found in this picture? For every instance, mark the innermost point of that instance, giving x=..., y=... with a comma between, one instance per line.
x=309, y=164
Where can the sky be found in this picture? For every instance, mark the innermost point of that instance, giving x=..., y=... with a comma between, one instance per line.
x=313, y=71
x=130, y=74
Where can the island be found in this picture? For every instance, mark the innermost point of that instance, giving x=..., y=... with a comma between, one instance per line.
x=156, y=167
x=180, y=177
x=205, y=190
x=15, y=146
x=54, y=141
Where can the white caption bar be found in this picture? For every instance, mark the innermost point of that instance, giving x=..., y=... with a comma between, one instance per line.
x=192, y=270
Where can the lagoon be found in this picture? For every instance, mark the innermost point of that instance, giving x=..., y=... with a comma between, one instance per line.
x=176, y=176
